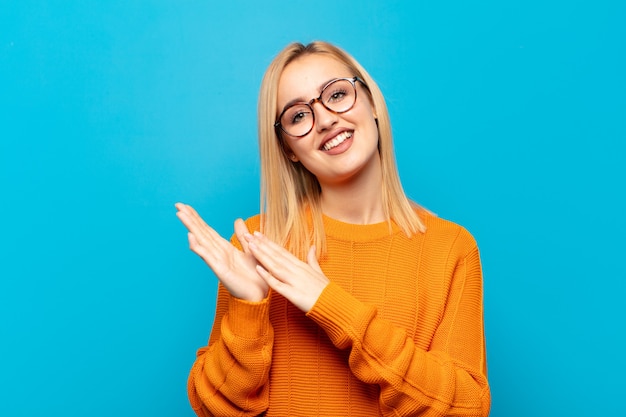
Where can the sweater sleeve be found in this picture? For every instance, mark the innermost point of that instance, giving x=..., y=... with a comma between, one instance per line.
x=448, y=379
x=230, y=376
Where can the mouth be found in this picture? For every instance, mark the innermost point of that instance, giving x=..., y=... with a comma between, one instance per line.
x=336, y=141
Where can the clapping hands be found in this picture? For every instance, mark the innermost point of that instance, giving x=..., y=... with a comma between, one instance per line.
x=262, y=264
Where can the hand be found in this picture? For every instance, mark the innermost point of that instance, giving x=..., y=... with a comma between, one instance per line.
x=235, y=269
x=300, y=283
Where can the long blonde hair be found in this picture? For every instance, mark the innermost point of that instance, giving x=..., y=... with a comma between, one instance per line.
x=289, y=191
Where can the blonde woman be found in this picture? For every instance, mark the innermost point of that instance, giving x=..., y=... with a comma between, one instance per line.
x=342, y=298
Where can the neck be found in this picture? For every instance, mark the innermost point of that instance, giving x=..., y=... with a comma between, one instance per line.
x=357, y=201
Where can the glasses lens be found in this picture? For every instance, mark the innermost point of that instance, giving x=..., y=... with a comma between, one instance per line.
x=297, y=120
x=339, y=96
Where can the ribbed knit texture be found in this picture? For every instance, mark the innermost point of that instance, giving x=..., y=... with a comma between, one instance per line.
x=397, y=332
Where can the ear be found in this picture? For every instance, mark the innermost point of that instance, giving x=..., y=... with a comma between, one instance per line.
x=288, y=152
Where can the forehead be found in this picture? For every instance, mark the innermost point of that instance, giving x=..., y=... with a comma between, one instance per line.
x=304, y=77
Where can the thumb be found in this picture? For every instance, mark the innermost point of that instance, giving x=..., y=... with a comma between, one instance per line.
x=240, y=231
x=312, y=259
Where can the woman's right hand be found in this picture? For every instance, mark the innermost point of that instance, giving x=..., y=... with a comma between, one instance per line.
x=235, y=269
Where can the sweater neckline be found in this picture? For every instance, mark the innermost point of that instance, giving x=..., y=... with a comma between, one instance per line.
x=358, y=232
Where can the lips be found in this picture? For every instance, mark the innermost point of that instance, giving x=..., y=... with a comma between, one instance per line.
x=337, y=140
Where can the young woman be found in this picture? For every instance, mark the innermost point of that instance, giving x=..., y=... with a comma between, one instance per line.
x=342, y=298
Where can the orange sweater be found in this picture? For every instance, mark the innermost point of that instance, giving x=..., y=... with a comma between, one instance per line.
x=397, y=332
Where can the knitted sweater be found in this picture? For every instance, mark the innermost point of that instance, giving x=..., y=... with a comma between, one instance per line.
x=397, y=332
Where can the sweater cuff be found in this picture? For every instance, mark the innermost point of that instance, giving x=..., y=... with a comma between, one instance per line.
x=247, y=319
x=343, y=317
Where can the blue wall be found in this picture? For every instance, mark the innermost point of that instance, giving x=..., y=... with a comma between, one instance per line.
x=509, y=118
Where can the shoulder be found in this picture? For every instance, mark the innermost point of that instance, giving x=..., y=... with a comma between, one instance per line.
x=446, y=232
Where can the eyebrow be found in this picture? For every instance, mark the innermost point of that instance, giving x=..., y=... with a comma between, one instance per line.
x=302, y=99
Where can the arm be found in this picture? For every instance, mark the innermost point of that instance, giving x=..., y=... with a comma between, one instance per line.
x=230, y=375
x=447, y=379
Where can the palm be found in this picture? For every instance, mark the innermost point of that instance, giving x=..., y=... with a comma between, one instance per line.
x=235, y=269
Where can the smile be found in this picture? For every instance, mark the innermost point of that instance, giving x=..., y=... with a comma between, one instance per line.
x=337, y=140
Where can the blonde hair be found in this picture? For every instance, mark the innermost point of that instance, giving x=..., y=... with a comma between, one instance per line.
x=289, y=191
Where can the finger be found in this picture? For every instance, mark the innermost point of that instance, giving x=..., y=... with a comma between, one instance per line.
x=214, y=252
x=271, y=281
x=276, y=259
x=184, y=208
x=186, y=220
x=180, y=208
x=300, y=296
x=193, y=215
x=190, y=214
x=209, y=245
x=196, y=225
x=268, y=248
x=241, y=231
x=187, y=215
x=193, y=225
x=200, y=250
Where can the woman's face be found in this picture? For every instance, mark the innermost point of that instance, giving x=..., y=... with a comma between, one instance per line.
x=339, y=147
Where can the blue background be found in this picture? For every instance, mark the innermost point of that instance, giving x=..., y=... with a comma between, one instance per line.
x=509, y=118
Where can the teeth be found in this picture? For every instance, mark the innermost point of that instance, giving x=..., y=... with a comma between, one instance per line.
x=337, y=140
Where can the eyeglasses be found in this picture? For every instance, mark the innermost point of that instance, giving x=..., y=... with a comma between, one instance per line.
x=338, y=96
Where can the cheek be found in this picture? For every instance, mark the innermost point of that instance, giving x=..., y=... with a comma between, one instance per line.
x=369, y=121
x=300, y=148
x=365, y=112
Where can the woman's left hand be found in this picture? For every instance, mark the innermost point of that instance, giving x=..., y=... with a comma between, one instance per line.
x=299, y=282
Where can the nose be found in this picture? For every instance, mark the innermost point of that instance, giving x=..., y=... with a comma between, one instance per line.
x=324, y=118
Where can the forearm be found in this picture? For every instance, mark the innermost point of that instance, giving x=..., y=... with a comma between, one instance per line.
x=412, y=380
x=229, y=377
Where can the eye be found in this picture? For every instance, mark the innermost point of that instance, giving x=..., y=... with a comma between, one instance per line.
x=296, y=115
x=336, y=95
